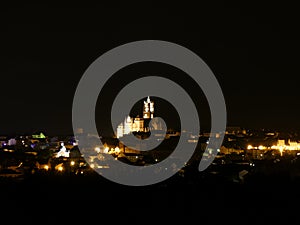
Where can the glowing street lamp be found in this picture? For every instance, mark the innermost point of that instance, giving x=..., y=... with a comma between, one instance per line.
x=117, y=150
x=106, y=150
x=60, y=168
x=97, y=149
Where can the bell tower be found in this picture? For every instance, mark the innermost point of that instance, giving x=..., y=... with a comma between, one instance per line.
x=148, y=112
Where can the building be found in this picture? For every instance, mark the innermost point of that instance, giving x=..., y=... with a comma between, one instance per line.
x=130, y=125
x=63, y=152
x=235, y=130
x=148, y=111
x=137, y=124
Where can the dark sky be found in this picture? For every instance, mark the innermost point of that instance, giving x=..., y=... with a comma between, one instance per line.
x=252, y=49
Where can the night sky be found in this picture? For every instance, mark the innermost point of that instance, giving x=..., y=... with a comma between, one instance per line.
x=253, y=51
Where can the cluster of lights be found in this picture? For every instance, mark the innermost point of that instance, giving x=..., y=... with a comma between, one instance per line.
x=275, y=147
x=106, y=150
x=281, y=146
x=260, y=147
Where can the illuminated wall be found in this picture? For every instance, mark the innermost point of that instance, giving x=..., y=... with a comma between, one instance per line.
x=130, y=125
x=138, y=125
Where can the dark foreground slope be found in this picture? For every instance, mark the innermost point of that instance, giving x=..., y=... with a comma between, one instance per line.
x=65, y=199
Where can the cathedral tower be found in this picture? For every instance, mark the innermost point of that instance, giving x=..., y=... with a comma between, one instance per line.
x=148, y=112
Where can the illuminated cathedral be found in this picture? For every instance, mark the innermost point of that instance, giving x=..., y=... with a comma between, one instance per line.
x=137, y=124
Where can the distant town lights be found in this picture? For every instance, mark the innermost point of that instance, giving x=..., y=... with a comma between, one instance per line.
x=281, y=146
